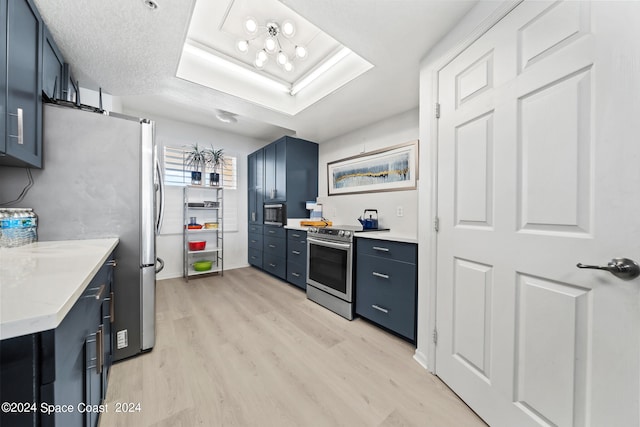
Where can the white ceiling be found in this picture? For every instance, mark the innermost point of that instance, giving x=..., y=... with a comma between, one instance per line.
x=133, y=53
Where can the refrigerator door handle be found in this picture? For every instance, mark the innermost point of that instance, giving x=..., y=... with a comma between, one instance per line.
x=160, y=218
x=159, y=265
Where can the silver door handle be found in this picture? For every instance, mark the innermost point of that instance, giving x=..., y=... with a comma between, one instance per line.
x=384, y=276
x=622, y=268
x=19, y=114
x=295, y=252
x=160, y=265
x=378, y=248
x=160, y=218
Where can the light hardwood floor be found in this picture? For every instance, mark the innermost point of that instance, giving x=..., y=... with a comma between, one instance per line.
x=247, y=349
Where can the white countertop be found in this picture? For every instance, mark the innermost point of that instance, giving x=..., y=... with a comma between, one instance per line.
x=40, y=282
x=387, y=235
x=294, y=224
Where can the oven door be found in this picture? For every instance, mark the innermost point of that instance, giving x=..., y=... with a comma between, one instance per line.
x=329, y=267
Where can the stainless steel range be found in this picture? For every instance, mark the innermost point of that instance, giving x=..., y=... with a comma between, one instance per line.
x=330, y=268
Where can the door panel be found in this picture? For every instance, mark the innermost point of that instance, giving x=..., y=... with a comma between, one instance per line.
x=536, y=161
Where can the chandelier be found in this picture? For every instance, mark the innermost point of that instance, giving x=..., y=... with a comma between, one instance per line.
x=272, y=40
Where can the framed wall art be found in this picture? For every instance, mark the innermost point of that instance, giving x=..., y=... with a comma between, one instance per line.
x=389, y=169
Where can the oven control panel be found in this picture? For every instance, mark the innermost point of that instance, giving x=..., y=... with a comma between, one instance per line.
x=332, y=233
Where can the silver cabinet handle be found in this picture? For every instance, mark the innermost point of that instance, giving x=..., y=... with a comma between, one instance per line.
x=272, y=246
x=377, y=307
x=253, y=216
x=622, y=268
x=99, y=350
x=295, y=274
x=272, y=265
x=378, y=248
x=295, y=252
x=97, y=295
x=295, y=235
x=112, y=307
x=384, y=276
x=272, y=232
x=112, y=263
x=20, y=115
x=254, y=241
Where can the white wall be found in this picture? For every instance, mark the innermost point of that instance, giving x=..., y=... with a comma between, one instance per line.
x=344, y=209
x=169, y=244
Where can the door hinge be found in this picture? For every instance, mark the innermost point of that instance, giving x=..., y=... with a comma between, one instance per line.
x=436, y=224
x=435, y=336
x=437, y=110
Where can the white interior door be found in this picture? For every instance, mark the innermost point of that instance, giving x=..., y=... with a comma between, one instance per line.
x=539, y=169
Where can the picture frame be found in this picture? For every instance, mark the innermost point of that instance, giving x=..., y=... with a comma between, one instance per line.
x=389, y=169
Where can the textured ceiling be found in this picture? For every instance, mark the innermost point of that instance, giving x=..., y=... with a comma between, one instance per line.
x=133, y=52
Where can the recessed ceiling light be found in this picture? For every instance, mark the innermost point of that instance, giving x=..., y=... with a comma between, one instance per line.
x=226, y=117
x=151, y=4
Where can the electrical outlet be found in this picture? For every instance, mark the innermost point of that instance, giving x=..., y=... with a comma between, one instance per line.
x=122, y=339
x=399, y=211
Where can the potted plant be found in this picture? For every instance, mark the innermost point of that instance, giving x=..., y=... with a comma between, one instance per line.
x=195, y=159
x=214, y=159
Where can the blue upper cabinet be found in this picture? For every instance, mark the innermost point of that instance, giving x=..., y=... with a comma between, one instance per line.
x=291, y=174
x=22, y=105
x=256, y=183
x=52, y=67
x=3, y=78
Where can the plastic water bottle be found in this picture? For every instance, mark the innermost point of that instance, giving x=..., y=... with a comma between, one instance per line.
x=18, y=227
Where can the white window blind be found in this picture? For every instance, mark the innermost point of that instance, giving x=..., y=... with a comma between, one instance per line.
x=176, y=174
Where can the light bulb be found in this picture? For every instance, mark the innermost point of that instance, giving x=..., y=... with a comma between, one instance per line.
x=282, y=58
x=243, y=45
x=288, y=67
x=262, y=56
x=288, y=29
x=270, y=44
x=251, y=25
x=301, y=52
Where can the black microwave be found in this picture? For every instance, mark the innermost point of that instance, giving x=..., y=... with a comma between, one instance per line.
x=275, y=214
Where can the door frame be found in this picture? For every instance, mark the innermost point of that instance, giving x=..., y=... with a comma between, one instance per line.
x=430, y=68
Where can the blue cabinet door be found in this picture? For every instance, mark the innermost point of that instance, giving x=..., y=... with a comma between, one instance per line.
x=275, y=171
x=23, y=142
x=52, y=67
x=3, y=80
x=256, y=184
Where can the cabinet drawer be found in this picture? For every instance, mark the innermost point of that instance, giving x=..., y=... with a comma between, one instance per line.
x=297, y=251
x=297, y=274
x=386, y=293
x=406, y=252
x=297, y=235
x=275, y=265
x=255, y=257
x=272, y=231
x=253, y=228
x=255, y=241
x=275, y=246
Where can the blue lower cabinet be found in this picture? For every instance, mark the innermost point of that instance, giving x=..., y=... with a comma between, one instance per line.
x=297, y=258
x=67, y=365
x=386, y=286
x=275, y=265
x=297, y=274
x=255, y=257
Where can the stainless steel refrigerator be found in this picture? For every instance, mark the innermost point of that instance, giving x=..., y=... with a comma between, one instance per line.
x=101, y=178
